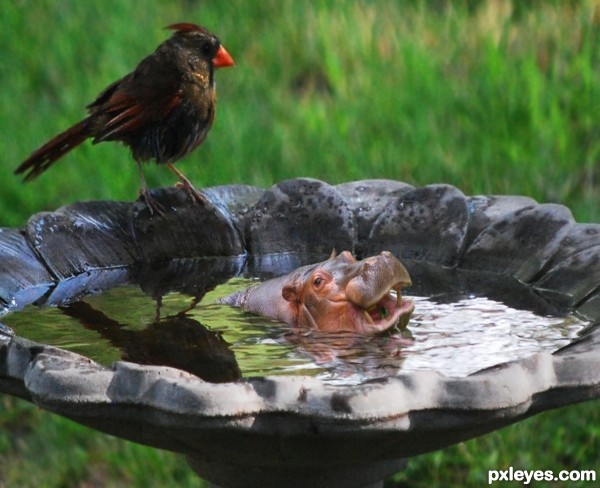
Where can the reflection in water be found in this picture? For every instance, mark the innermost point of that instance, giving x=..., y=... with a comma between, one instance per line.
x=178, y=341
x=347, y=358
x=172, y=319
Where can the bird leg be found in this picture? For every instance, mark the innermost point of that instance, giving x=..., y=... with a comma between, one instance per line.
x=153, y=205
x=186, y=185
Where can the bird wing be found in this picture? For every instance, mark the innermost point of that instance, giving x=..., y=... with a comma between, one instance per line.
x=146, y=95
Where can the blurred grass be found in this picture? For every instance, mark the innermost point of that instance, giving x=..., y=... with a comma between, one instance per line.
x=493, y=96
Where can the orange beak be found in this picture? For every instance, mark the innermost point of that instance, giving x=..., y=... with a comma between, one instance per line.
x=222, y=59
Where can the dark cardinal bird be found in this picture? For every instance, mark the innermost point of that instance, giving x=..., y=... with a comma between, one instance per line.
x=162, y=110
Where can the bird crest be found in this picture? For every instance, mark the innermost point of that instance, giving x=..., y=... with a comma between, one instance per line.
x=186, y=27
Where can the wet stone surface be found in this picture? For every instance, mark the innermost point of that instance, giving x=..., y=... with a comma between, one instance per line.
x=238, y=200
x=23, y=278
x=301, y=216
x=82, y=237
x=186, y=229
x=426, y=224
x=484, y=210
x=575, y=268
x=367, y=199
x=520, y=243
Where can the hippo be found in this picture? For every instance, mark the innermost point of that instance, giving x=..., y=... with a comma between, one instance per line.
x=339, y=294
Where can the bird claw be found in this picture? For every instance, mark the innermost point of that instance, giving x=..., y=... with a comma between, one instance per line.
x=194, y=194
x=187, y=186
x=153, y=205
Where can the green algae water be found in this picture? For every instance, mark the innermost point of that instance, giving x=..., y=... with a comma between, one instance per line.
x=220, y=343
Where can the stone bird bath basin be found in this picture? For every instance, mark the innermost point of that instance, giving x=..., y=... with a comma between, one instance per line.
x=296, y=430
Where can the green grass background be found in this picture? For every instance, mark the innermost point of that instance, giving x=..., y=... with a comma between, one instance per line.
x=495, y=97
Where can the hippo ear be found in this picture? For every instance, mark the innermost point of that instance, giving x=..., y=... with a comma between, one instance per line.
x=333, y=253
x=290, y=293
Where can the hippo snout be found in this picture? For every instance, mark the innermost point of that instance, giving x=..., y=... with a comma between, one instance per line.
x=377, y=277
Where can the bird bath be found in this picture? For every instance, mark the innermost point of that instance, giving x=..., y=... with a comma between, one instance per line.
x=240, y=430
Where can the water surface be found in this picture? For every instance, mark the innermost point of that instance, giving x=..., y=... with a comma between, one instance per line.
x=455, y=335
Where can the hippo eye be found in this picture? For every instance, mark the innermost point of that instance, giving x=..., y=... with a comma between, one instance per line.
x=318, y=281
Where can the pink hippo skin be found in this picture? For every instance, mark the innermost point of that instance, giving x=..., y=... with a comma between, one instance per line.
x=338, y=294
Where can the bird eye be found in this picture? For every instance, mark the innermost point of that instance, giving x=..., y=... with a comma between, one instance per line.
x=208, y=48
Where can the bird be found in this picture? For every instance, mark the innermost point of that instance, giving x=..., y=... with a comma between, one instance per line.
x=162, y=110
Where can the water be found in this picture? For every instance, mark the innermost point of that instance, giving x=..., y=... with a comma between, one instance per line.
x=455, y=335
x=470, y=334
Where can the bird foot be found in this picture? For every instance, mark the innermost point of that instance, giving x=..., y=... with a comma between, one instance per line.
x=153, y=205
x=194, y=194
x=187, y=186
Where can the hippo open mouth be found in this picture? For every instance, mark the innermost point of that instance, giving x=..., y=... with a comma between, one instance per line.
x=376, y=294
x=386, y=311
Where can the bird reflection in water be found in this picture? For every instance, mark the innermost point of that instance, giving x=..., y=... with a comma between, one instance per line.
x=177, y=341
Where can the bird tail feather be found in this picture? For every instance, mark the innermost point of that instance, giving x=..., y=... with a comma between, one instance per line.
x=54, y=149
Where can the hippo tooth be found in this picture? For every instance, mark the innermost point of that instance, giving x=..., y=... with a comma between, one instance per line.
x=368, y=317
x=398, y=297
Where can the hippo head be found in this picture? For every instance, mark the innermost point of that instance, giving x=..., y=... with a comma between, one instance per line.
x=344, y=294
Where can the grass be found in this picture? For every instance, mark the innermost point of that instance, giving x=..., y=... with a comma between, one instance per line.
x=495, y=97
